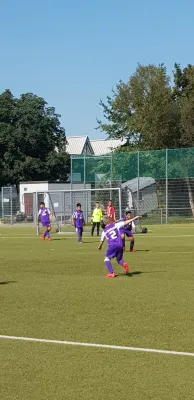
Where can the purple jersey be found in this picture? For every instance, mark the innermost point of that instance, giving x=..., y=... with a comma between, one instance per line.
x=127, y=228
x=44, y=215
x=112, y=234
x=78, y=218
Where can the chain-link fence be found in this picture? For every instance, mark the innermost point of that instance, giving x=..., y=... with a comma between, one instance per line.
x=62, y=203
x=9, y=205
x=158, y=183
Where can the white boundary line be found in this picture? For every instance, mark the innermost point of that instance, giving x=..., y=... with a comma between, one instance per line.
x=99, y=346
x=68, y=236
x=173, y=252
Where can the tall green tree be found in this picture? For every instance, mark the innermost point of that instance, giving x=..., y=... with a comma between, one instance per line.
x=32, y=141
x=184, y=97
x=143, y=110
x=117, y=114
x=156, y=114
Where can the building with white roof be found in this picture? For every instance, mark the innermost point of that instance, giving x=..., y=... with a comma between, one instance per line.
x=82, y=145
x=106, y=146
x=79, y=146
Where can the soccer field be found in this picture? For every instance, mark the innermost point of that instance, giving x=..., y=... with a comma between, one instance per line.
x=57, y=291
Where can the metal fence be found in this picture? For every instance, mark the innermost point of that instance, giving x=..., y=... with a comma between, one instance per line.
x=157, y=180
x=9, y=206
x=62, y=203
x=159, y=185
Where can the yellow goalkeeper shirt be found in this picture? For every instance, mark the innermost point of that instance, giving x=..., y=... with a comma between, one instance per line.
x=97, y=215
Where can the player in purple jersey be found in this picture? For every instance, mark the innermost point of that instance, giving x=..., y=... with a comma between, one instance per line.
x=112, y=234
x=127, y=230
x=44, y=216
x=78, y=221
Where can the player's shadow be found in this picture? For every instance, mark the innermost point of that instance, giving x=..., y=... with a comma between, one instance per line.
x=145, y=250
x=134, y=273
x=7, y=282
x=130, y=274
x=63, y=238
x=93, y=241
x=137, y=251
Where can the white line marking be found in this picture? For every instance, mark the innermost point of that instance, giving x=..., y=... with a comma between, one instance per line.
x=89, y=237
x=165, y=236
x=174, y=252
x=100, y=346
x=38, y=237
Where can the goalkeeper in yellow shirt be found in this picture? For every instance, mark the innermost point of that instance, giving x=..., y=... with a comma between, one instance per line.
x=96, y=219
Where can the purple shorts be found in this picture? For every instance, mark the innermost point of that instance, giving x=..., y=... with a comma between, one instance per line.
x=126, y=232
x=115, y=252
x=129, y=234
x=46, y=224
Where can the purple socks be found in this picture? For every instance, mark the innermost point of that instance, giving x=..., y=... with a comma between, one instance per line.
x=109, y=267
x=47, y=234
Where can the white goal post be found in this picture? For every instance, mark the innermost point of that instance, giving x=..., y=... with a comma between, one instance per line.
x=62, y=203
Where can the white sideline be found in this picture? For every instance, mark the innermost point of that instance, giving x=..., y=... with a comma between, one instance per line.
x=90, y=237
x=99, y=346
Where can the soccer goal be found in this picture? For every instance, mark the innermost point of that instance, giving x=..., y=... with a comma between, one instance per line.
x=62, y=203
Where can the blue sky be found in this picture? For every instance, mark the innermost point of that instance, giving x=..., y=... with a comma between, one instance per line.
x=73, y=53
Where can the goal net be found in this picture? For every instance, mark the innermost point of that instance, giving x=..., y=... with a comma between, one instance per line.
x=62, y=203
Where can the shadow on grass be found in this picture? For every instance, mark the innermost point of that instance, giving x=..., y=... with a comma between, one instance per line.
x=63, y=238
x=134, y=273
x=137, y=251
x=93, y=241
x=131, y=274
x=84, y=242
x=145, y=250
x=7, y=282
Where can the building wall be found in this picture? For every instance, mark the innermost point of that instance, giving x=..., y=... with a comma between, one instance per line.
x=26, y=194
x=56, y=196
x=148, y=200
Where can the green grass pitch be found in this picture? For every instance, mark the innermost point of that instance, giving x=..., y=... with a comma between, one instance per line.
x=57, y=290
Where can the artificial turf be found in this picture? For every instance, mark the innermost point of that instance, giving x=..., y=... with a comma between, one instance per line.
x=57, y=291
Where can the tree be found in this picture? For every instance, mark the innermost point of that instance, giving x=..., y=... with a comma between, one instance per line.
x=154, y=114
x=143, y=110
x=118, y=113
x=184, y=97
x=32, y=141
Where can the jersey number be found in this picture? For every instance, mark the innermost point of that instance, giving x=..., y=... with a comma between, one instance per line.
x=113, y=235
